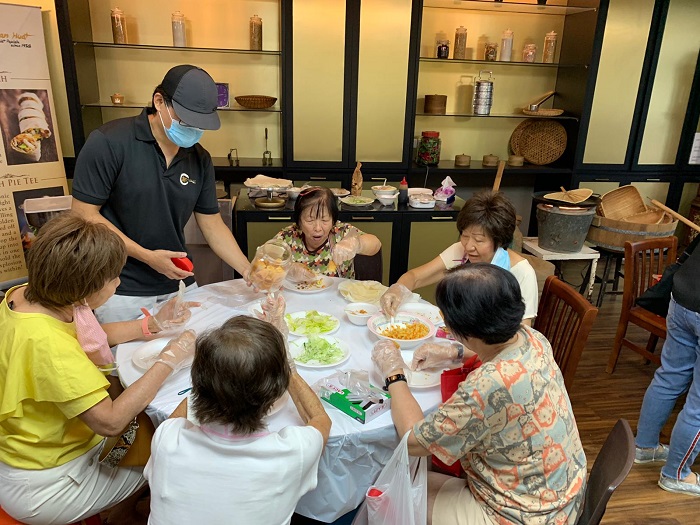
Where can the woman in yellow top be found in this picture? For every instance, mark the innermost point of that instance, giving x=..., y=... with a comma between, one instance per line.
x=54, y=404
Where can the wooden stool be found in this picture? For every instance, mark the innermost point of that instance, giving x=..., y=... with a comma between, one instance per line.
x=6, y=519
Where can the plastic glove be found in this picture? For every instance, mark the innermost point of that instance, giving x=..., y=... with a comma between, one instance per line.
x=386, y=356
x=174, y=312
x=433, y=355
x=273, y=308
x=393, y=298
x=300, y=273
x=179, y=352
x=346, y=249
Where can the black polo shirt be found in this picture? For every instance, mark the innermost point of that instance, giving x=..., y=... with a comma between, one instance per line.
x=122, y=169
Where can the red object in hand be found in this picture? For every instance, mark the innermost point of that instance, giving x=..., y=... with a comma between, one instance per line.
x=374, y=493
x=183, y=263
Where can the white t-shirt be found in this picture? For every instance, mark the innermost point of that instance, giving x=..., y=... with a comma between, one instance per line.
x=207, y=475
x=523, y=272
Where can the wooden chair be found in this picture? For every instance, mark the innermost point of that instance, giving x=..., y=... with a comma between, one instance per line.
x=565, y=318
x=643, y=260
x=610, y=469
x=369, y=267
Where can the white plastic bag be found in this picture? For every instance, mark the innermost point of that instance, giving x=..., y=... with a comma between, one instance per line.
x=400, y=494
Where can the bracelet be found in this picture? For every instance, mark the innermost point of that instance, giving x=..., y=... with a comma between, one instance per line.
x=144, y=326
x=394, y=379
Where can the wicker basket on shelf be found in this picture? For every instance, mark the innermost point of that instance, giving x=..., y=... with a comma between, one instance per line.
x=256, y=101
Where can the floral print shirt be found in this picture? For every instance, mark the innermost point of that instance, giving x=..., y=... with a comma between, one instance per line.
x=511, y=425
x=319, y=260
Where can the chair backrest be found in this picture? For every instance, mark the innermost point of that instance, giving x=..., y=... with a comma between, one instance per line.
x=565, y=318
x=609, y=470
x=643, y=260
x=369, y=267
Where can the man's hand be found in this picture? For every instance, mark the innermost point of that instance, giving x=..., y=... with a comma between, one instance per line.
x=160, y=261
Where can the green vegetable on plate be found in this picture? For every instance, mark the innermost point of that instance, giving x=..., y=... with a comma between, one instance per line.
x=320, y=350
x=312, y=323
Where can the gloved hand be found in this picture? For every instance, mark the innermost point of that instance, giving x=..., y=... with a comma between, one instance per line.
x=300, y=273
x=386, y=356
x=433, y=355
x=346, y=249
x=273, y=308
x=174, y=312
x=393, y=297
x=179, y=352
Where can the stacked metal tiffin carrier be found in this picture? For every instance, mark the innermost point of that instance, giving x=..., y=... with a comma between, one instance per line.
x=483, y=94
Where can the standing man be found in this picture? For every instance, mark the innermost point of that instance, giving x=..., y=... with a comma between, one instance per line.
x=144, y=176
x=679, y=373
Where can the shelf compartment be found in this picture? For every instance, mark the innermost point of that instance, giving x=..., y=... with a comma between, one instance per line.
x=476, y=168
x=495, y=63
x=500, y=115
x=173, y=48
x=137, y=105
x=246, y=162
x=506, y=7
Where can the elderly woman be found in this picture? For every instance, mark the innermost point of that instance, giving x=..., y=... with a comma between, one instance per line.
x=510, y=423
x=54, y=404
x=486, y=224
x=320, y=243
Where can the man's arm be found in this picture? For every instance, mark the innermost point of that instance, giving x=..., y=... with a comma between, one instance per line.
x=222, y=241
x=159, y=260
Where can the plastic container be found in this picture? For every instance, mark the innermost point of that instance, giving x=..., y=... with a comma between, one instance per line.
x=529, y=53
x=429, y=148
x=119, y=26
x=270, y=265
x=550, y=47
x=255, y=33
x=403, y=191
x=507, y=46
x=460, y=50
x=179, y=35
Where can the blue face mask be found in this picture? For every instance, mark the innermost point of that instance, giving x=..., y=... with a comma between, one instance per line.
x=182, y=136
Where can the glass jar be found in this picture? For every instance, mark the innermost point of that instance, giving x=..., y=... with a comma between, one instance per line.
x=529, y=52
x=118, y=26
x=507, y=46
x=255, y=33
x=460, y=50
x=429, y=148
x=443, y=49
x=490, y=51
x=550, y=47
x=270, y=265
x=178, y=23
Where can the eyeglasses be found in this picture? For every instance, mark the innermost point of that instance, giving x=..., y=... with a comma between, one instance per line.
x=178, y=120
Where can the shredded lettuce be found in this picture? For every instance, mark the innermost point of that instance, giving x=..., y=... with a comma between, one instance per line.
x=320, y=351
x=312, y=323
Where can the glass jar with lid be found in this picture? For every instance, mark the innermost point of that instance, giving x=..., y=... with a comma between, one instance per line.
x=529, y=52
x=256, y=42
x=550, y=47
x=443, y=49
x=118, y=26
x=179, y=34
x=460, y=48
x=429, y=148
x=270, y=265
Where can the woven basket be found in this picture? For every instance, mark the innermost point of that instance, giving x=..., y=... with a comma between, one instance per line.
x=543, y=142
x=256, y=101
x=621, y=202
x=651, y=216
x=517, y=134
x=543, y=112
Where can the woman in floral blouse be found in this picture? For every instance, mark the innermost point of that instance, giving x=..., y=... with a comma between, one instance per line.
x=320, y=243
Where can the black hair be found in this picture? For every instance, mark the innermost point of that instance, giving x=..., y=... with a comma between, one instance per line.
x=151, y=110
x=317, y=199
x=494, y=213
x=482, y=301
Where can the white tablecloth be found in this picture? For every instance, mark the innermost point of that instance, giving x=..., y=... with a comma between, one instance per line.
x=355, y=453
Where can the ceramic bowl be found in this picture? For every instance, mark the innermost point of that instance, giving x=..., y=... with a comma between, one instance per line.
x=378, y=323
x=359, y=313
x=384, y=191
x=387, y=200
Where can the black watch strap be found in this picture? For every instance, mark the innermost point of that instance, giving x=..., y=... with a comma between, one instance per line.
x=460, y=350
x=393, y=379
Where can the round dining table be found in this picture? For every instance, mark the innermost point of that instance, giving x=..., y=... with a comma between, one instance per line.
x=356, y=452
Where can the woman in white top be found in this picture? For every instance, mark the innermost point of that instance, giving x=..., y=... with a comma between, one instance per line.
x=486, y=224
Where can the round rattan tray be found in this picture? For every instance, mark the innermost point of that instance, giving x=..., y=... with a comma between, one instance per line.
x=256, y=101
x=542, y=142
x=515, y=136
x=542, y=112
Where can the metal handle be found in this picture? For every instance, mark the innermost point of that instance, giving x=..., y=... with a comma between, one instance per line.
x=486, y=71
x=363, y=218
x=318, y=178
x=278, y=218
x=536, y=105
x=443, y=218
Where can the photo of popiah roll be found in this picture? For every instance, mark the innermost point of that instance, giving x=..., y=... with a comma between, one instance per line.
x=36, y=126
x=28, y=145
x=27, y=126
x=30, y=100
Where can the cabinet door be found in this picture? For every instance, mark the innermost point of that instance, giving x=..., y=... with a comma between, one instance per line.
x=383, y=230
x=427, y=240
x=261, y=232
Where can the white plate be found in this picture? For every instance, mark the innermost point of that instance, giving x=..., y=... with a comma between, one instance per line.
x=423, y=378
x=325, y=282
x=297, y=347
x=357, y=201
x=297, y=315
x=362, y=291
x=146, y=355
x=279, y=404
x=429, y=311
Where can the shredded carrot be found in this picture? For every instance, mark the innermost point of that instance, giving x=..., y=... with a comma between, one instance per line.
x=414, y=330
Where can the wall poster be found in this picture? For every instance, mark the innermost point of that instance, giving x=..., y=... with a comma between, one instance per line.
x=31, y=165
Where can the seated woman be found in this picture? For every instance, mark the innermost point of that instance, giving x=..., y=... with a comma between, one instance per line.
x=320, y=244
x=54, y=405
x=229, y=468
x=510, y=423
x=486, y=224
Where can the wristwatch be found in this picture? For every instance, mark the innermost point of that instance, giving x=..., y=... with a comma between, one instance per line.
x=460, y=350
x=393, y=379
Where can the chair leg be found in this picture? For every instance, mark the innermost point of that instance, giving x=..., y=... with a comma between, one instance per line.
x=618, y=272
x=617, y=346
x=604, y=282
x=651, y=346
